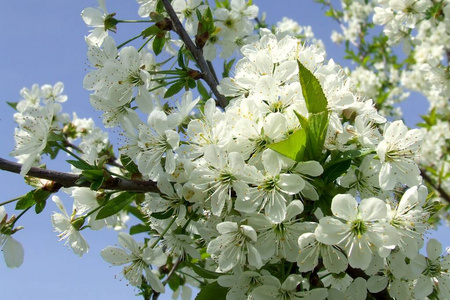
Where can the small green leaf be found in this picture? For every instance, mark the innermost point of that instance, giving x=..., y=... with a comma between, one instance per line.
x=203, y=272
x=163, y=215
x=212, y=291
x=180, y=59
x=152, y=30
x=174, y=89
x=13, y=104
x=82, y=165
x=174, y=282
x=115, y=205
x=137, y=213
x=40, y=207
x=312, y=91
x=202, y=90
x=139, y=228
x=318, y=125
x=53, y=137
x=347, y=155
x=129, y=164
x=331, y=173
x=93, y=174
x=97, y=184
x=292, y=147
x=158, y=44
x=26, y=201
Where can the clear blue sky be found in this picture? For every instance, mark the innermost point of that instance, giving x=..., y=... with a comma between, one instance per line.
x=42, y=42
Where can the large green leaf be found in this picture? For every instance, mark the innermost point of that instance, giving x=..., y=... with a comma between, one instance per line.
x=292, y=147
x=115, y=205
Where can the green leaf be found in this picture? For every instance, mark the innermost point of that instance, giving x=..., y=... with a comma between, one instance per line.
x=212, y=291
x=37, y=196
x=137, y=213
x=115, y=205
x=152, y=30
x=97, y=184
x=347, y=155
x=40, y=207
x=163, y=215
x=26, y=201
x=203, y=272
x=53, y=137
x=139, y=228
x=331, y=173
x=82, y=165
x=191, y=83
x=129, y=164
x=312, y=91
x=93, y=174
x=12, y=104
x=227, y=67
x=174, y=282
x=202, y=90
x=174, y=89
x=158, y=44
x=293, y=147
x=180, y=59
x=318, y=125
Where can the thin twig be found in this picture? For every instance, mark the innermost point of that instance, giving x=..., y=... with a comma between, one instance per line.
x=197, y=53
x=166, y=280
x=70, y=179
x=442, y=193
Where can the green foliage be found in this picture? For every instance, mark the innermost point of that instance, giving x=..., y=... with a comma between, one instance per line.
x=212, y=291
x=115, y=205
x=293, y=147
x=37, y=197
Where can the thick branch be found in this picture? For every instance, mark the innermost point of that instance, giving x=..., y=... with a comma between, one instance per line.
x=442, y=193
x=196, y=52
x=70, y=180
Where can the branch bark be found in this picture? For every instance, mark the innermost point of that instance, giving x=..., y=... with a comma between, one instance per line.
x=70, y=179
x=196, y=52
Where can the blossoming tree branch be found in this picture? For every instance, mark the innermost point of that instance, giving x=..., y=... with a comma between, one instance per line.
x=255, y=167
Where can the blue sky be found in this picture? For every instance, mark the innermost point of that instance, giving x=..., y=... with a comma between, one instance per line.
x=42, y=42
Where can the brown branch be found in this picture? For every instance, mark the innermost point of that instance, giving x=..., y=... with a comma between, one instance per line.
x=442, y=193
x=70, y=179
x=196, y=52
